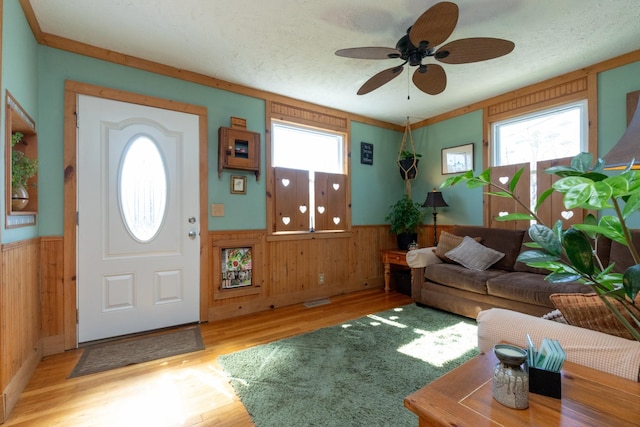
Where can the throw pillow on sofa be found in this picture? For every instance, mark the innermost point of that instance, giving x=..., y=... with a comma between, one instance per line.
x=448, y=242
x=589, y=312
x=473, y=255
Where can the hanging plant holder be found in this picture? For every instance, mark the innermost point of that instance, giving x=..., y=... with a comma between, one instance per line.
x=408, y=159
x=408, y=168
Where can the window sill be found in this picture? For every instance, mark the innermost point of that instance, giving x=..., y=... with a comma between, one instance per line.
x=309, y=235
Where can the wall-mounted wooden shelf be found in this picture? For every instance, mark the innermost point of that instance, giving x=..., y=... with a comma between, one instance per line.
x=17, y=120
x=238, y=149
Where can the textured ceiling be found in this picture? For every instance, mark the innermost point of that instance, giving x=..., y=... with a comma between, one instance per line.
x=287, y=46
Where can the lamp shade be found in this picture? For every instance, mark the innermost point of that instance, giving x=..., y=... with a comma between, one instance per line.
x=627, y=148
x=434, y=200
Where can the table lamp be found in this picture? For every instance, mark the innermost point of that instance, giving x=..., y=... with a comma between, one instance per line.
x=435, y=201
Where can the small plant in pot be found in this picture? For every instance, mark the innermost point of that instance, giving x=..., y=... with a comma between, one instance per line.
x=408, y=163
x=22, y=169
x=405, y=218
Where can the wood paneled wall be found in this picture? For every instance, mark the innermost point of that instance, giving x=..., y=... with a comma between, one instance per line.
x=20, y=319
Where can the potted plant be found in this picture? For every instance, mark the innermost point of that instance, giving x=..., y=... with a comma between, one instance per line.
x=22, y=169
x=405, y=218
x=569, y=254
x=408, y=163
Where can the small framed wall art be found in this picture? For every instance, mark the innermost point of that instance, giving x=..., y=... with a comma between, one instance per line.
x=366, y=153
x=457, y=159
x=238, y=184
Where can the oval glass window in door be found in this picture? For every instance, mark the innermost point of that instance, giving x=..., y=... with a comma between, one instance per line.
x=142, y=188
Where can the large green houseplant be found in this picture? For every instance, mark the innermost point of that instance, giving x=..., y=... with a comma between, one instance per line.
x=570, y=254
x=405, y=217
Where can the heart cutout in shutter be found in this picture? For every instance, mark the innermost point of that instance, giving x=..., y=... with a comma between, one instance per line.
x=503, y=179
x=286, y=220
x=567, y=215
x=285, y=182
x=321, y=209
x=302, y=208
x=503, y=213
x=336, y=220
x=336, y=186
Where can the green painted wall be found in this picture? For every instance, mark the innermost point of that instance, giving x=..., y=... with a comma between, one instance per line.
x=241, y=212
x=35, y=75
x=20, y=78
x=613, y=86
x=465, y=205
x=374, y=187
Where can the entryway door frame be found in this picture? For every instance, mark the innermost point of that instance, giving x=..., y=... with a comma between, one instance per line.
x=72, y=90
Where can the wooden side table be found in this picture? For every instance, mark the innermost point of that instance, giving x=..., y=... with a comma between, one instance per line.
x=395, y=257
x=464, y=397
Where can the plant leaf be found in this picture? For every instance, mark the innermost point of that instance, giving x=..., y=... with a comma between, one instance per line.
x=515, y=179
x=499, y=194
x=578, y=250
x=546, y=238
x=545, y=194
x=582, y=162
x=515, y=217
x=536, y=257
x=562, y=277
x=632, y=205
x=631, y=281
x=563, y=185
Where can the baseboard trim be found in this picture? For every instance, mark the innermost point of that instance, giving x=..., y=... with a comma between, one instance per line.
x=12, y=391
x=52, y=345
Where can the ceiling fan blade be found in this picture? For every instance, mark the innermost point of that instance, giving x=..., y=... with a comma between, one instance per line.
x=379, y=79
x=432, y=81
x=473, y=49
x=369, y=53
x=435, y=25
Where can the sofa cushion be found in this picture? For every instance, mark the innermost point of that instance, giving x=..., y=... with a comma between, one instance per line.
x=530, y=288
x=588, y=311
x=473, y=255
x=448, y=242
x=503, y=240
x=460, y=277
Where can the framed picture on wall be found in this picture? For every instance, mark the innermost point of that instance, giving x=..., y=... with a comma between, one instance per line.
x=238, y=185
x=457, y=159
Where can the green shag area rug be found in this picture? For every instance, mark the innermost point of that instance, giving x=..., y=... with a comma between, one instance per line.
x=353, y=374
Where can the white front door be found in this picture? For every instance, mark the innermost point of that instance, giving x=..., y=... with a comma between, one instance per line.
x=138, y=218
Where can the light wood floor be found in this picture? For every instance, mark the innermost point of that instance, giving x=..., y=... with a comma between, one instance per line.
x=186, y=390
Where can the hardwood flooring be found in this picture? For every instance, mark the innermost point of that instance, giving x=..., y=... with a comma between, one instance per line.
x=185, y=390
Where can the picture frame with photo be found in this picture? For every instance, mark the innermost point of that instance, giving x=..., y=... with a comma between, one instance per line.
x=238, y=185
x=457, y=159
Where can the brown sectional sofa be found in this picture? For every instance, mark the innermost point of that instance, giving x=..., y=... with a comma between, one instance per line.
x=506, y=284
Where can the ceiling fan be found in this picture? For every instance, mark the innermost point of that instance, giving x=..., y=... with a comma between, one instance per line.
x=431, y=29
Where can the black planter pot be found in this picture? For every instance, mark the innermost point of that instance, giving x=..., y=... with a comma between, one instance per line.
x=405, y=239
x=408, y=166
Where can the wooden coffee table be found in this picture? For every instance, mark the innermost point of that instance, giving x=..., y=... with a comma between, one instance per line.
x=464, y=397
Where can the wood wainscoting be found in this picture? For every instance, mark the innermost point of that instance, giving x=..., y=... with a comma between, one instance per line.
x=20, y=314
x=286, y=272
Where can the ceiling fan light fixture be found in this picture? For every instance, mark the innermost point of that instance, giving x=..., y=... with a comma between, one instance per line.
x=431, y=29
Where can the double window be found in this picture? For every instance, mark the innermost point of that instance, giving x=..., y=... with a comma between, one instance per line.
x=536, y=141
x=539, y=137
x=310, y=179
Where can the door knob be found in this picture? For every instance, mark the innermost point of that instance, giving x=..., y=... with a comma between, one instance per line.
x=192, y=234
x=192, y=220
